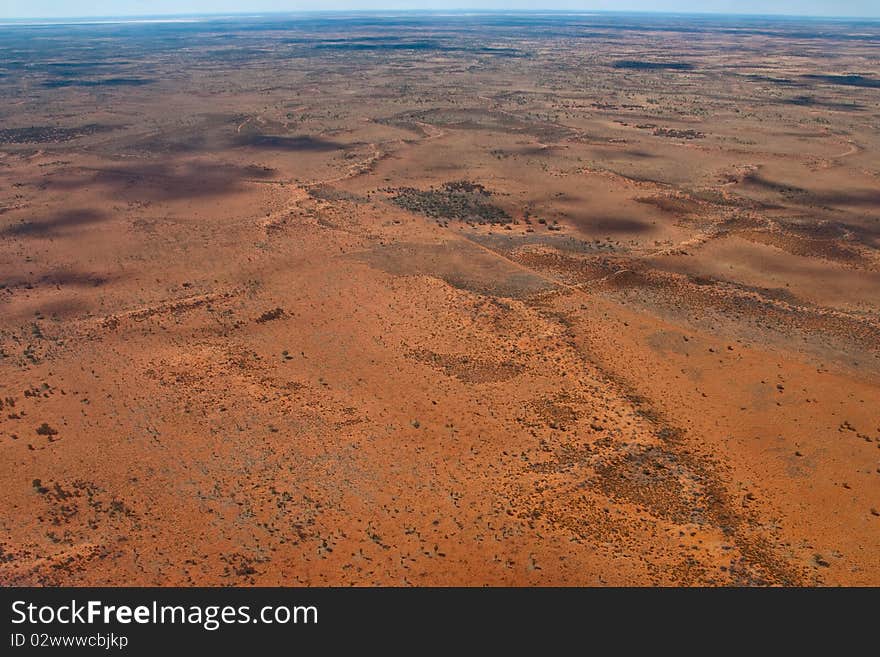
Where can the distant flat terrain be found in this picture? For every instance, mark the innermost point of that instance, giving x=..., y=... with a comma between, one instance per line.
x=423, y=299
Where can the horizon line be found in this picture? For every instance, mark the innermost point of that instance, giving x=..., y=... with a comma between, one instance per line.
x=462, y=10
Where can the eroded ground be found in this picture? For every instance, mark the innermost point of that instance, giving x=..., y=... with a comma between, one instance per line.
x=440, y=300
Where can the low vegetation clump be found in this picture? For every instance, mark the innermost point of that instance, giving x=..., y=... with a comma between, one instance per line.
x=270, y=315
x=678, y=134
x=48, y=134
x=45, y=430
x=640, y=65
x=462, y=200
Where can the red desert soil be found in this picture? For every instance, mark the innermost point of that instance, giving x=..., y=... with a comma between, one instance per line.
x=501, y=306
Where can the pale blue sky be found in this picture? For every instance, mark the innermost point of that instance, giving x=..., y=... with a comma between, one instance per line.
x=71, y=8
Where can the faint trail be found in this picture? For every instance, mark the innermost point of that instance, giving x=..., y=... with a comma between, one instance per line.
x=545, y=277
x=354, y=170
x=717, y=228
x=831, y=160
x=161, y=307
x=300, y=193
x=434, y=131
x=852, y=150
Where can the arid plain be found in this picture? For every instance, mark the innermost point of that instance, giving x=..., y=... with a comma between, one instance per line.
x=440, y=299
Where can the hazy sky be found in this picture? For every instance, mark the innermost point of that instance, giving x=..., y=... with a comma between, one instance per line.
x=70, y=8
